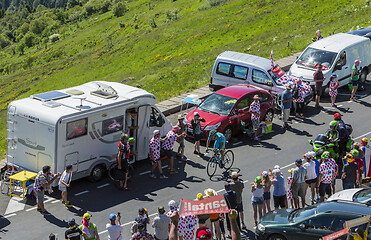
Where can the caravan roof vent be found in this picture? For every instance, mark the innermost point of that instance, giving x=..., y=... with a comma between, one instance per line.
x=75, y=92
x=52, y=104
x=52, y=95
x=104, y=91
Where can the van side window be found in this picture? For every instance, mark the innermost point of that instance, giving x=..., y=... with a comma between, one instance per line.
x=240, y=72
x=112, y=125
x=155, y=119
x=342, y=59
x=223, y=69
x=77, y=128
x=260, y=77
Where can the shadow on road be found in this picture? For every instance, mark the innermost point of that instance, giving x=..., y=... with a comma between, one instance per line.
x=56, y=221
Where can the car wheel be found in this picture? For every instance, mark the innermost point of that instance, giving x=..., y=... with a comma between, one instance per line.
x=228, y=133
x=276, y=237
x=269, y=116
x=97, y=173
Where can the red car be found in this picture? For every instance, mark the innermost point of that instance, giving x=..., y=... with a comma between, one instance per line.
x=224, y=110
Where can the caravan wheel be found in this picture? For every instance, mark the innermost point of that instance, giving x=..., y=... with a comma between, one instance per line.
x=97, y=173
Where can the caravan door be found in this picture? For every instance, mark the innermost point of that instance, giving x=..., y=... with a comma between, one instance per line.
x=143, y=132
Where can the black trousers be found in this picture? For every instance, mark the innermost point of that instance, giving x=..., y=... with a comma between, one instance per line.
x=229, y=223
x=300, y=108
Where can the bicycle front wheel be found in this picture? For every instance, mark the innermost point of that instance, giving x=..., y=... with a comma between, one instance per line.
x=228, y=159
x=212, y=165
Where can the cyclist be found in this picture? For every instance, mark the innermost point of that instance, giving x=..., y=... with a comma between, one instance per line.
x=218, y=144
x=122, y=160
x=343, y=135
x=333, y=134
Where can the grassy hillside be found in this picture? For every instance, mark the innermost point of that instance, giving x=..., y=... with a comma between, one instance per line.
x=168, y=47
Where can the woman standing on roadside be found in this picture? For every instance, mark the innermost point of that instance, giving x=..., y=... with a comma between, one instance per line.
x=334, y=84
x=300, y=99
x=257, y=199
x=196, y=127
x=267, y=183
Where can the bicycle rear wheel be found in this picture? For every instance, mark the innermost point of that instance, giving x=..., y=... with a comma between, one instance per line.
x=212, y=165
x=228, y=159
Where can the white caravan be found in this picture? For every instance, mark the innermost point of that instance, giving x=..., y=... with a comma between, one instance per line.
x=79, y=126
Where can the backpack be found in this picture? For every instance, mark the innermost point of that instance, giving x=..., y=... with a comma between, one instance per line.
x=134, y=227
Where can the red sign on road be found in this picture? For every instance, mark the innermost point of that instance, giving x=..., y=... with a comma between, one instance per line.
x=215, y=204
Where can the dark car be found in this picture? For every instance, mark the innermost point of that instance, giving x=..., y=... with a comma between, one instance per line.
x=225, y=109
x=310, y=223
x=365, y=32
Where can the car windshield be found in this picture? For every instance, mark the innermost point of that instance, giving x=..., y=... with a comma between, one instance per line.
x=362, y=195
x=274, y=74
x=312, y=57
x=218, y=104
x=302, y=213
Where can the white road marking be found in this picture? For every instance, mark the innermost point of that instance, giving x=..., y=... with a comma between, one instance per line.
x=104, y=185
x=288, y=165
x=15, y=204
x=10, y=215
x=80, y=193
x=55, y=201
x=339, y=105
x=30, y=209
x=150, y=171
x=361, y=136
x=237, y=143
x=348, y=94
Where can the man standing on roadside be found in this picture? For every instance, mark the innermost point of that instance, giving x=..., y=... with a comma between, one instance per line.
x=43, y=180
x=73, y=232
x=350, y=174
x=154, y=154
x=255, y=115
x=326, y=178
x=318, y=79
x=298, y=183
x=122, y=161
x=161, y=224
x=354, y=78
x=286, y=102
x=114, y=227
x=89, y=228
x=231, y=199
x=238, y=186
x=167, y=146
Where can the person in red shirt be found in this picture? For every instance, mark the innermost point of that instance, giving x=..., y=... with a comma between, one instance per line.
x=122, y=160
x=360, y=164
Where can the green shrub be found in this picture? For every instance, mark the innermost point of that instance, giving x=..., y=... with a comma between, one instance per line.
x=75, y=16
x=4, y=42
x=172, y=15
x=30, y=39
x=38, y=25
x=152, y=23
x=211, y=3
x=20, y=47
x=119, y=9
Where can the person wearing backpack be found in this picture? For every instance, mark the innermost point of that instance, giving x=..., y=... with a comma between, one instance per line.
x=142, y=218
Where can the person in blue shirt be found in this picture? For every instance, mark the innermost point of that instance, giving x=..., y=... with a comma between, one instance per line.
x=286, y=102
x=219, y=143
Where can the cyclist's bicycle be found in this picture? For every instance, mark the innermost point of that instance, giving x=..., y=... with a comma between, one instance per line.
x=216, y=160
x=115, y=175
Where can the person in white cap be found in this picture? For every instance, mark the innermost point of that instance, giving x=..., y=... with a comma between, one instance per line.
x=312, y=177
x=318, y=35
x=354, y=77
x=154, y=154
x=197, y=133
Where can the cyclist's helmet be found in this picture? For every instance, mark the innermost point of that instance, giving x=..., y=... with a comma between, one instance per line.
x=212, y=133
x=258, y=179
x=334, y=124
x=337, y=116
x=364, y=140
x=131, y=140
x=355, y=153
x=325, y=155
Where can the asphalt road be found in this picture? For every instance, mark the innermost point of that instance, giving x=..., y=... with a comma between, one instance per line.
x=102, y=198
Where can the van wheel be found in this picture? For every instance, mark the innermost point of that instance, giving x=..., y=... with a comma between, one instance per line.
x=97, y=173
x=363, y=77
x=269, y=116
x=228, y=133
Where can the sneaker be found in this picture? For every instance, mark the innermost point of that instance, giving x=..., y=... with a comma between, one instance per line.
x=333, y=105
x=67, y=204
x=63, y=202
x=195, y=152
x=301, y=115
x=152, y=175
x=243, y=225
x=163, y=177
x=256, y=139
x=127, y=188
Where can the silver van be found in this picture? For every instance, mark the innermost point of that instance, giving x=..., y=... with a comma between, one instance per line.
x=232, y=68
x=329, y=52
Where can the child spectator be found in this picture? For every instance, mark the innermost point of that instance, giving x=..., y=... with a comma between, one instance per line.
x=267, y=183
x=334, y=84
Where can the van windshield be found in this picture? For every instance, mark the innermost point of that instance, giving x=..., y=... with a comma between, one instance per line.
x=312, y=57
x=218, y=104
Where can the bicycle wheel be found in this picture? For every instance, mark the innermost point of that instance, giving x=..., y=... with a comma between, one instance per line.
x=212, y=165
x=228, y=159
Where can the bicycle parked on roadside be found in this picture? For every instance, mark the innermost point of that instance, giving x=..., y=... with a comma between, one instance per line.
x=216, y=160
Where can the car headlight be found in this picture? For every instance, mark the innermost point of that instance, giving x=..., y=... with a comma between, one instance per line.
x=212, y=127
x=261, y=227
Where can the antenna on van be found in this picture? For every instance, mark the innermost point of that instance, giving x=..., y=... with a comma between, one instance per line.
x=104, y=91
x=82, y=98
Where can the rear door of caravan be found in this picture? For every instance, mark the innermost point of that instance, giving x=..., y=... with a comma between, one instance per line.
x=31, y=143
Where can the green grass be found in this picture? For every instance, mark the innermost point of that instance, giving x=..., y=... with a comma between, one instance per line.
x=178, y=55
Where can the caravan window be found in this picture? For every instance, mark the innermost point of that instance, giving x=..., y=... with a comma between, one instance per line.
x=77, y=128
x=156, y=119
x=112, y=125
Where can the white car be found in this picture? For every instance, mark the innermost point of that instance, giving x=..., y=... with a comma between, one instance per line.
x=361, y=195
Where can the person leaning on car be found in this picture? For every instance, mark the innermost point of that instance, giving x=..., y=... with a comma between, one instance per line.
x=286, y=103
x=318, y=79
